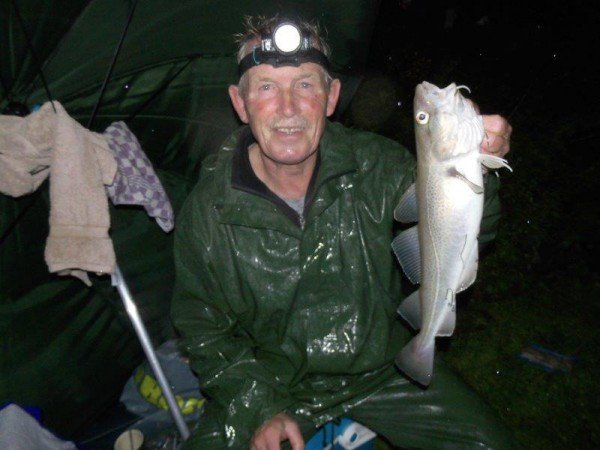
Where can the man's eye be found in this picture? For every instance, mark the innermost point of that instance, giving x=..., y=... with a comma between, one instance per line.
x=265, y=87
x=305, y=85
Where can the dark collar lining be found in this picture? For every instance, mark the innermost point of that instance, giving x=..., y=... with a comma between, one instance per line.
x=244, y=178
x=242, y=175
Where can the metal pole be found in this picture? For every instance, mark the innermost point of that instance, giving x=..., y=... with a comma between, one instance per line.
x=112, y=66
x=140, y=329
x=33, y=55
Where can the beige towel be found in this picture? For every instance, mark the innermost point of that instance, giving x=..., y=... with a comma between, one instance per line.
x=24, y=157
x=80, y=165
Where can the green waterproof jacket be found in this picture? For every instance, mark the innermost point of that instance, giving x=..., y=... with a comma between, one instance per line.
x=279, y=314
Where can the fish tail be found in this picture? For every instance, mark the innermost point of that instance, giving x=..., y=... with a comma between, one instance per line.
x=416, y=360
x=410, y=310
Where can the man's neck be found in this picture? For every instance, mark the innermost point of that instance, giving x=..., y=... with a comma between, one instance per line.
x=286, y=181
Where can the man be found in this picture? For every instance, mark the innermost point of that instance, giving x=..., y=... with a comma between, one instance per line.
x=286, y=290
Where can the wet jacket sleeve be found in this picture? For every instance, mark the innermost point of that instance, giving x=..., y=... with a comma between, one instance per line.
x=491, y=210
x=245, y=390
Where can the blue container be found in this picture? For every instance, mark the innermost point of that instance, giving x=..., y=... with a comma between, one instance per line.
x=34, y=411
x=332, y=433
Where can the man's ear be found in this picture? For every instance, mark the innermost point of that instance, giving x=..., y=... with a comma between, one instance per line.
x=238, y=103
x=333, y=96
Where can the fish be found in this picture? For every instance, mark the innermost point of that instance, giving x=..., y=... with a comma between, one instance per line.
x=441, y=251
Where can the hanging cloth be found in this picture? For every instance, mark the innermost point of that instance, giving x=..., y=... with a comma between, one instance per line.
x=136, y=182
x=79, y=164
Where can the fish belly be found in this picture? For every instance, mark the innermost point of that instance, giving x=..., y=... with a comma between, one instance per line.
x=450, y=225
x=449, y=222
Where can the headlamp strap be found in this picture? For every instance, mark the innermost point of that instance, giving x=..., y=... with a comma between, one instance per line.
x=276, y=59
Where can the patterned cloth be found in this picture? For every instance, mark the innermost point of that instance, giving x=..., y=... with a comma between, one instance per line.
x=136, y=182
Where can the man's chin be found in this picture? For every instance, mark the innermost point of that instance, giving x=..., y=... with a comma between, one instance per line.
x=291, y=158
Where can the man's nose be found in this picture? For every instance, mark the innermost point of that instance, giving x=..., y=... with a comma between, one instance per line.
x=287, y=103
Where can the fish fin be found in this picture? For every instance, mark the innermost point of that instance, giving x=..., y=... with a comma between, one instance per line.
x=410, y=310
x=406, y=249
x=493, y=162
x=406, y=211
x=470, y=258
x=453, y=171
x=416, y=360
x=449, y=322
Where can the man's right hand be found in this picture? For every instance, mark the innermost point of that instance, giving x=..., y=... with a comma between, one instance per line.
x=276, y=430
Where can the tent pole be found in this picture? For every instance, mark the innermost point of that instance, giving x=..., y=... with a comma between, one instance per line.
x=112, y=66
x=36, y=61
x=119, y=282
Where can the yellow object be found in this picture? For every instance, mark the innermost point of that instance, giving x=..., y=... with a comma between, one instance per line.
x=151, y=391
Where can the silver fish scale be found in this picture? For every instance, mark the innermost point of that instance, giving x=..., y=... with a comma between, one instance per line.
x=449, y=194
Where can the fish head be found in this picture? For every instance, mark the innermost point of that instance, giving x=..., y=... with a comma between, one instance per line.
x=446, y=123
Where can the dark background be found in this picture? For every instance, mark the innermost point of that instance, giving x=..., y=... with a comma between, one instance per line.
x=520, y=58
x=538, y=285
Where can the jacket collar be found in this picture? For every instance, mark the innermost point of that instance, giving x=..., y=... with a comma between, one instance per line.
x=336, y=158
x=243, y=178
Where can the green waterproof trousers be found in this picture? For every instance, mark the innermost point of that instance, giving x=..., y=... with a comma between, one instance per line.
x=446, y=415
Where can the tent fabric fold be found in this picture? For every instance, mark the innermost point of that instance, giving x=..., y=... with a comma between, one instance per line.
x=68, y=348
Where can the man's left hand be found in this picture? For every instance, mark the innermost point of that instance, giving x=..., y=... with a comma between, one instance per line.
x=276, y=430
x=496, y=140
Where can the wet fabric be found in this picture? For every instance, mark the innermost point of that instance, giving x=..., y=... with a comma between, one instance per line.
x=277, y=316
x=136, y=182
x=447, y=415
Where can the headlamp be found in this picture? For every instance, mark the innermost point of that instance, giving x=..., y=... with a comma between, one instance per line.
x=287, y=45
x=287, y=39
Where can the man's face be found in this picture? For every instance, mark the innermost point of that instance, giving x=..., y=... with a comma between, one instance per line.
x=286, y=108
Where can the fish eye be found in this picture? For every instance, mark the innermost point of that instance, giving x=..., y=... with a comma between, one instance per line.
x=422, y=117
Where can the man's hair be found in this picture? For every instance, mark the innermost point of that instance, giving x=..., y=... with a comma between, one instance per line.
x=256, y=26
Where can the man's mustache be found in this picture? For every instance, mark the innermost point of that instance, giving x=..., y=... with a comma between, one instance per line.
x=295, y=122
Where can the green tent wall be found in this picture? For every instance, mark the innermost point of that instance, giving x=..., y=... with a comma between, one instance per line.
x=66, y=348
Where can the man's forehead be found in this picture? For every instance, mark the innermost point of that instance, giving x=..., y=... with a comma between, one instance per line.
x=304, y=70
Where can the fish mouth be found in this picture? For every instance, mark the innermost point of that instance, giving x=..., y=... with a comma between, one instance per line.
x=429, y=97
x=429, y=91
x=423, y=90
x=428, y=87
x=421, y=101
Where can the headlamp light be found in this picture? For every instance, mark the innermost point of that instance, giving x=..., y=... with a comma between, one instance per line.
x=287, y=39
x=287, y=45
